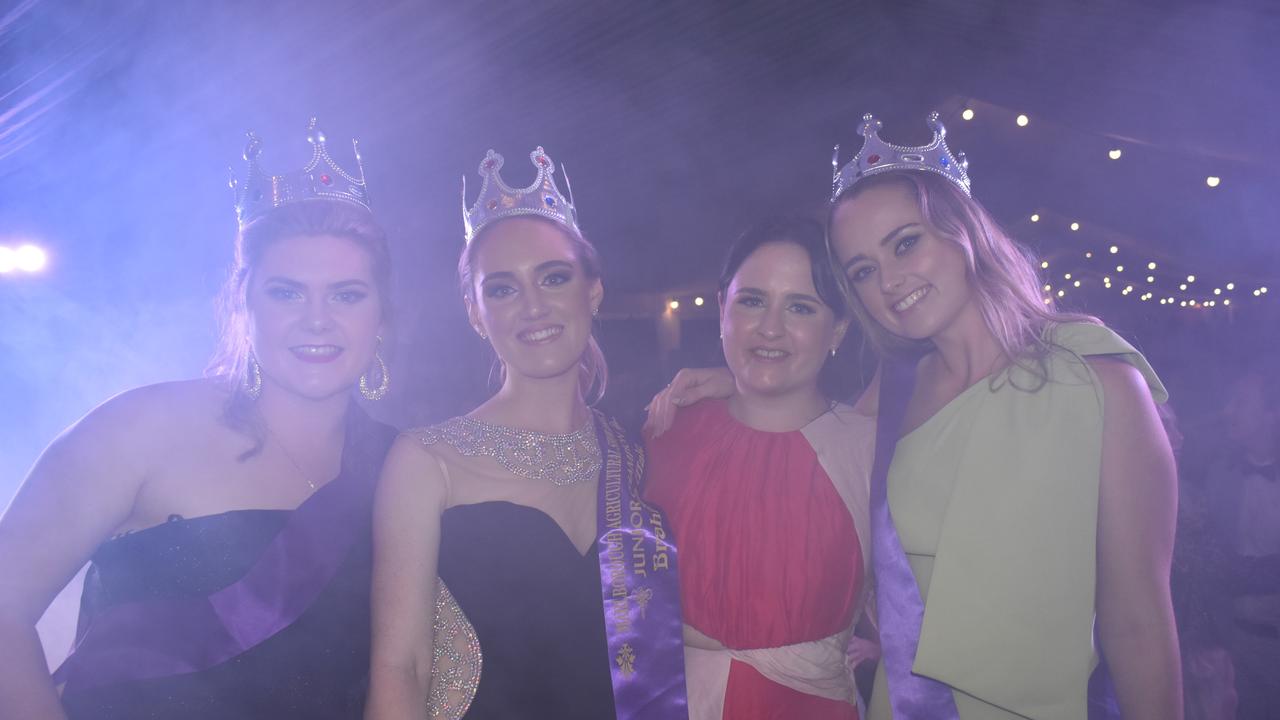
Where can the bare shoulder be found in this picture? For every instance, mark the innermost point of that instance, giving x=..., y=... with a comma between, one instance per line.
x=414, y=472
x=147, y=416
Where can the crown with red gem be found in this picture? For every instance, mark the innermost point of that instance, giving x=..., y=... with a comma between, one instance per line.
x=320, y=178
x=498, y=200
x=878, y=156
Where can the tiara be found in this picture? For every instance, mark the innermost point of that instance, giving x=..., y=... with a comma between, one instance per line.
x=878, y=156
x=320, y=178
x=498, y=200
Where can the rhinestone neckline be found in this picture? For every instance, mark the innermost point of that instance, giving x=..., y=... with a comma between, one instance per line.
x=560, y=458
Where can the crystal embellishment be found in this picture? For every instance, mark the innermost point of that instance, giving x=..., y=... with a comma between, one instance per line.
x=560, y=458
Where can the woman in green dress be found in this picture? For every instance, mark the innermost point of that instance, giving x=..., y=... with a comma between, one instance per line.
x=1032, y=488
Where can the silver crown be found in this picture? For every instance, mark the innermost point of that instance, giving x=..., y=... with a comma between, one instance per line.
x=321, y=177
x=878, y=156
x=498, y=200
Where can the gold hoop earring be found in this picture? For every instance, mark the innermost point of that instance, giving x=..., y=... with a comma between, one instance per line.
x=253, y=379
x=379, y=392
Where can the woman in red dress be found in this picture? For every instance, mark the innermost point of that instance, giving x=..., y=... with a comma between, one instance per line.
x=767, y=494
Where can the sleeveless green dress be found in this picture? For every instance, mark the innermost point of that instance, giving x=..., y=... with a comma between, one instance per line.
x=995, y=499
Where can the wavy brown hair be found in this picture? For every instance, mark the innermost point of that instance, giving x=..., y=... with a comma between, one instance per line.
x=593, y=371
x=230, y=361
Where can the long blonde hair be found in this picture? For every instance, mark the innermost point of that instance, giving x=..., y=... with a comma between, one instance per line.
x=1000, y=270
x=593, y=371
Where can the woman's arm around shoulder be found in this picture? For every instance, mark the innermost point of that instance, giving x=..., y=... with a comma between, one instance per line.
x=78, y=492
x=412, y=494
x=1137, y=509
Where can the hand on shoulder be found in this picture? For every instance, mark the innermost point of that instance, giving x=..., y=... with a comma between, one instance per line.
x=690, y=385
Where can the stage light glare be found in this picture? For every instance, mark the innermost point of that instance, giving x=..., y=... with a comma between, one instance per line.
x=8, y=261
x=30, y=258
x=1114, y=154
x=1023, y=120
x=1213, y=181
x=967, y=114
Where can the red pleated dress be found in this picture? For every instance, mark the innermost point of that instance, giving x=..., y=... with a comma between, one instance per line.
x=769, y=552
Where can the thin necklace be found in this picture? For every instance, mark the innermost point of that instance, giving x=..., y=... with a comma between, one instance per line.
x=289, y=456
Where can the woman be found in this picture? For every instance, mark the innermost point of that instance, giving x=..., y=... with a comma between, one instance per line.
x=527, y=507
x=767, y=492
x=226, y=519
x=1032, y=487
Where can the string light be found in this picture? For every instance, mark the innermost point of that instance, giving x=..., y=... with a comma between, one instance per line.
x=1213, y=181
x=1035, y=217
x=698, y=301
x=1151, y=278
x=1089, y=255
x=1217, y=291
x=1119, y=268
x=967, y=114
x=1023, y=120
x=1114, y=154
x=1075, y=226
x=1183, y=286
x=1066, y=276
x=1076, y=283
x=674, y=304
x=1151, y=266
x=1231, y=286
x=1114, y=249
x=1044, y=265
x=1191, y=278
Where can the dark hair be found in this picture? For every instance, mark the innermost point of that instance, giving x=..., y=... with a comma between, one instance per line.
x=806, y=233
x=593, y=375
x=306, y=218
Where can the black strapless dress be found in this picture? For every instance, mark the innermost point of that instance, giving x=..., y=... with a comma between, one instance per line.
x=535, y=603
x=315, y=668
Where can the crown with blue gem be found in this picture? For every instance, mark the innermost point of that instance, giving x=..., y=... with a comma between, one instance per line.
x=498, y=200
x=320, y=178
x=878, y=156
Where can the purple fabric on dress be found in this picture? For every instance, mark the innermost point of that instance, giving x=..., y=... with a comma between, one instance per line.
x=170, y=636
x=911, y=696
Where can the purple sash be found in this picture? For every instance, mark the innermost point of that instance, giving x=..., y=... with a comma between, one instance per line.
x=639, y=582
x=171, y=636
x=911, y=696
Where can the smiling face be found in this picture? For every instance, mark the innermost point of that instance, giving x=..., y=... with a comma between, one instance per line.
x=532, y=297
x=314, y=314
x=908, y=278
x=777, y=332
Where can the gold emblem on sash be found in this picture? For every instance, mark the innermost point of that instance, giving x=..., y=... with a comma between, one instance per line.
x=627, y=660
